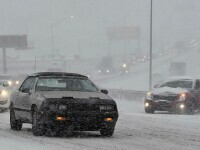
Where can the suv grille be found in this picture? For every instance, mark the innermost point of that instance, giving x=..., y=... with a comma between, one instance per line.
x=161, y=97
x=74, y=104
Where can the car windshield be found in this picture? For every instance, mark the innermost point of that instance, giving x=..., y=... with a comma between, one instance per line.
x=65, y=84
x=185, y=84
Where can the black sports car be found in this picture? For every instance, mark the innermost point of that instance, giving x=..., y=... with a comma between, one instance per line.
x=177, y=95
x=62, y=103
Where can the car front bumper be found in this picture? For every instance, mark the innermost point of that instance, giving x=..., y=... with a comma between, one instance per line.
x=4, y=102
x=163, y=105
x=79, y=120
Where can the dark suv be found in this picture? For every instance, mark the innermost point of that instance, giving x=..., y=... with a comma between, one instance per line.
x=179, y=96
x=62, y=103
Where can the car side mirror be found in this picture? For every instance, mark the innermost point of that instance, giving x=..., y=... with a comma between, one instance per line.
x=156, y=86
x=198, y=88
x=28, y=91
x=104, y=91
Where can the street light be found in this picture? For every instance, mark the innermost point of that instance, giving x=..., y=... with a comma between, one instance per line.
x=53, y=25
x=150, y=53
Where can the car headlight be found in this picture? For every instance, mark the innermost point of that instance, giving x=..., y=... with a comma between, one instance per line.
x=9, y=83
x=107, y=71
x=17, y=82
x=106, y=107
x=182, y=97
x=182, y=106
x=124, y=65
x=149, y=96
x=99, y=71
x=52, y=107
x=146, y=104
x=4, y=93
x=62, y=107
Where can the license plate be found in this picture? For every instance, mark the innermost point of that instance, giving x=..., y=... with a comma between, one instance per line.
x=162, y=102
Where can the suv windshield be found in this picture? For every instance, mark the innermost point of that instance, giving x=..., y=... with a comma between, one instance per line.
x=186, y=84
x=64, y=84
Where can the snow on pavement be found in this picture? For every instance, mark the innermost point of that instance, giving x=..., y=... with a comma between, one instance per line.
x=135, y=130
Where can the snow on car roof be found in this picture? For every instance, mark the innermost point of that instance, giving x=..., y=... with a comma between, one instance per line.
x=174, y=78
x=57, y=74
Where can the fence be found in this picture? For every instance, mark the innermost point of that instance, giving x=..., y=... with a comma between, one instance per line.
x=127, y=94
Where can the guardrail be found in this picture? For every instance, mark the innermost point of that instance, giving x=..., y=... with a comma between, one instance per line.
x=127, y=94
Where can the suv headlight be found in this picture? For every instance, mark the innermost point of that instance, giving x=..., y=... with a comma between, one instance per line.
x=106, y=107
x=149, y=96
x=182, y=97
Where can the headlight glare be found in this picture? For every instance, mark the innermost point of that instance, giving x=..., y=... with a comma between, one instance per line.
x=182, y=106
x=124, y=65
x=146, y=104
x=9, y=83
x=4, y=93
x=182, y=97
x=149, y=95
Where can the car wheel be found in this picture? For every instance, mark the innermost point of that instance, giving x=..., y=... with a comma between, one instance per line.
x=107, y=132
x=191, y=109
x=14, y=124
x=37, y=129
x=149, y=111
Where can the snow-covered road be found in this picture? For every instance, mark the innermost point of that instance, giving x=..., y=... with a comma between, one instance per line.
x=134, y=131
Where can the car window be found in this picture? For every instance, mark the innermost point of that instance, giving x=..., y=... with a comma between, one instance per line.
x=187, y=84
x=197, y=84
x=28, y=84
x=64, y=84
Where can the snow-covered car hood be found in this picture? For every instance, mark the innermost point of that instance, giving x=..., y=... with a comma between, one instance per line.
x=168, y=91
x=74, y=94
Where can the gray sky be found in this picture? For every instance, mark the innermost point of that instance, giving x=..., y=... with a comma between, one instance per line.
x=173, y=20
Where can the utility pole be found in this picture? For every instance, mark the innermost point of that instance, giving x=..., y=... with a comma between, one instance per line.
x=53, y=25
x=4, y=61
x=150, y=54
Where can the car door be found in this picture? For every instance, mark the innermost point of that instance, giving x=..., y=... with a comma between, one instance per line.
x=197, y=92
x=24, y=95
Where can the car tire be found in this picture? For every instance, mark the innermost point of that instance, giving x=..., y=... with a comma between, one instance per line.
x=191, y=109
x=149, y=111
x=107, y=132
x=37, y=129
x=14, y=123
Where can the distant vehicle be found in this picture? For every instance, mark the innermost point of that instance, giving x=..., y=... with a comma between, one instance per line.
x=6, y=79
x=124, y=69
x=177, y=68
x=62, y=103
x=178, y=96
x=4, y=98
x=106, y=66
x=18, y=79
